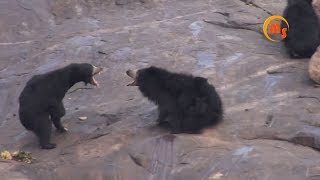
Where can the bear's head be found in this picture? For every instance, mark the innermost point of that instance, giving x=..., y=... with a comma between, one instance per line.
x=152, y=74
x=83, y=72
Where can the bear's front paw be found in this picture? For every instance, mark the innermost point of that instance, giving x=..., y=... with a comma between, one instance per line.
x=62, y=130
x=49, y=146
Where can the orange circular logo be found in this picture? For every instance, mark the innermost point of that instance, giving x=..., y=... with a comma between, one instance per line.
x=275, y=28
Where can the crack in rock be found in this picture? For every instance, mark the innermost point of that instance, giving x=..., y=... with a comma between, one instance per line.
x=20, y=4
x=140, y=161
x=308, y=97
x=251, y=2
x=223, y=13
x=234, y=25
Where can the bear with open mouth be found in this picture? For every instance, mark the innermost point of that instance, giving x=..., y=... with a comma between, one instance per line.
x=186, y=103
x=40, y=102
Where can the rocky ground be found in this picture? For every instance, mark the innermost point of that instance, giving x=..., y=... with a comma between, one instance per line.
x=271, y=125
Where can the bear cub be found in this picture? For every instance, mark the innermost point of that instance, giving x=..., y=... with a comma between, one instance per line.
x=40, y=102
x=303, y=36
x=186, y=104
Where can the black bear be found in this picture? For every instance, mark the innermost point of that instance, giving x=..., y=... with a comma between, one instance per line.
x=303, y=36
x=187, y=104
x=40, y=102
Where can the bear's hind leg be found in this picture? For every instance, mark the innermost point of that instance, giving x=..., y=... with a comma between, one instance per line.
x=43, y=132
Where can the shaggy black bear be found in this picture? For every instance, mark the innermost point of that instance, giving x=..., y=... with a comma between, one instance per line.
x=40, y=102
x=303, y=36
x=186, y=103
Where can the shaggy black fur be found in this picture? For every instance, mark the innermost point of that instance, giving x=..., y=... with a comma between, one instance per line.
x=40, y=102
x=187, y=103
x=303, y=36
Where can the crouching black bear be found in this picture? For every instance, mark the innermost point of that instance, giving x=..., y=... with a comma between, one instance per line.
x=303, y=36
x=40, y=103
x=186, y=103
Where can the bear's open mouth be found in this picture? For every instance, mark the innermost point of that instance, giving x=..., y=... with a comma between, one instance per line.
x=96, y=71
x=133, y=75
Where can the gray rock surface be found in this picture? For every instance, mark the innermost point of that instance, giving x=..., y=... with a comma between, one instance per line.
x=271, y=126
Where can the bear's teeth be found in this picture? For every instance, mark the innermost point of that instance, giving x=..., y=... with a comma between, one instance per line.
x=94, y=82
